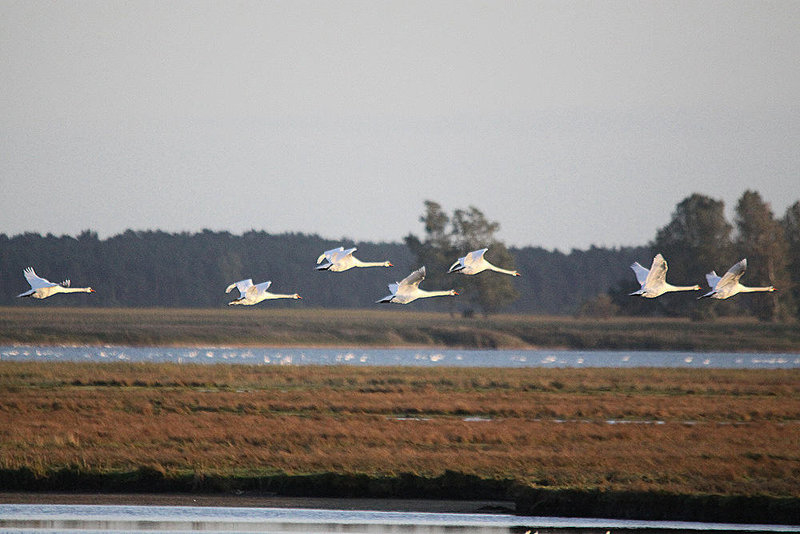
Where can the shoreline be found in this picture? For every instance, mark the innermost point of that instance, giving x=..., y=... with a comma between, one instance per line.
x=273, y=328
x=310, y=346
x=254, y=500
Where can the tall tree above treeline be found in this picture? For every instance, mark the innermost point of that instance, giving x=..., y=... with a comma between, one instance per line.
x=761, y=239
x=695, y=241
x=699, y=239
x=448, y=238
x=791, y=230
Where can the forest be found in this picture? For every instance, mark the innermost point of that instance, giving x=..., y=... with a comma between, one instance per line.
x=152, y=268
x=158, y=269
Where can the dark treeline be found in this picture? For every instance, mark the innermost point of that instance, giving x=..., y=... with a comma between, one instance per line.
x=153, y=268
x=553, y=282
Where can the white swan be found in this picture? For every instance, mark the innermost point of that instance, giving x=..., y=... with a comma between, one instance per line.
x=253, y=294
x=474, y=263
x=340, y=260
x=42, y=288
x=407, y=290
x=654, y=280
x=728, y=285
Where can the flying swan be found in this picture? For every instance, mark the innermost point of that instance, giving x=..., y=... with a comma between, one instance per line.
x=654, y=280
x=42, y=288
x=728, y=285
x=340, y=260
x=474, y=263
x=407, y=290
x=253, y=294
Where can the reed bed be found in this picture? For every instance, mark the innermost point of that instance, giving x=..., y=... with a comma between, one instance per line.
x=687, y=432
x=40, y=323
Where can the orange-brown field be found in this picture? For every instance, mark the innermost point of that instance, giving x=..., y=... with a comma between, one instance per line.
x=729, y=432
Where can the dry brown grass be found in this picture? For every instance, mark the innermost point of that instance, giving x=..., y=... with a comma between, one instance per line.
x=687, y=431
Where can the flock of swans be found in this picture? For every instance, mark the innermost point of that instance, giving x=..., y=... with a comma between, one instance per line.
x=653, y=281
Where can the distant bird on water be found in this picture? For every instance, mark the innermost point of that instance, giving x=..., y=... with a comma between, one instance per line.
x=407, y=290
x=42, y=288
x=728, y=285
x=340, y=260
x=654, y=280
x=253, y=294
x=474, y=263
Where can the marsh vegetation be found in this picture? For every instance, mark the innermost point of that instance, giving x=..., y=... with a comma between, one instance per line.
x=676, y=431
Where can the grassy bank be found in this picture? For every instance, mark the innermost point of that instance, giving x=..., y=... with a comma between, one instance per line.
x=394, y=327
x=688, y=444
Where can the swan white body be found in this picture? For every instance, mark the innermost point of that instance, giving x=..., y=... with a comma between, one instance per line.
x=42, y=288
x=728, y=285
x=407, y=290
x=654, y=280
x=340, y=260
x=253, y=294
x=474, y=263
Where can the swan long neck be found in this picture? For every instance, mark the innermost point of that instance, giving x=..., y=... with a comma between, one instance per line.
x=446, y=293
x=501, y=270
x=683, y=288
x=76, y=290
x=746, y=289
x=359, y=263
x=281, y=296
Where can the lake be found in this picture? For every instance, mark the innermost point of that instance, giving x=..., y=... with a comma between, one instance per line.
x=119, y=519
x=402, y=357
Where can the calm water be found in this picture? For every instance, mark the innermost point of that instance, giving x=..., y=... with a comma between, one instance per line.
x=118, y=519
x=403, y=357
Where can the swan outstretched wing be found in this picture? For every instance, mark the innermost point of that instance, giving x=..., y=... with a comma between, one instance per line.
x=734, y=274
x=658, y=271
x=413, y=279
x=241, y=285
x=475, y=256
x=36, y=281
x=640, y=272
x=457, y=266
x=328, y=254
x=257, y=289
x=340, y=254
x=713, y=279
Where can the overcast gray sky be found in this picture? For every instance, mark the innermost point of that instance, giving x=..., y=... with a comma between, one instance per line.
x=570, y=123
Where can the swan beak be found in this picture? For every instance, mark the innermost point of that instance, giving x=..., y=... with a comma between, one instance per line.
x=771, y=289
x=299, y=297
x=91, y=290
x=455, y=293
x=389, y=264
x=516, y=273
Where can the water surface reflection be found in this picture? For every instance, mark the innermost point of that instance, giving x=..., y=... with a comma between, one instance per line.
x=118, y=519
